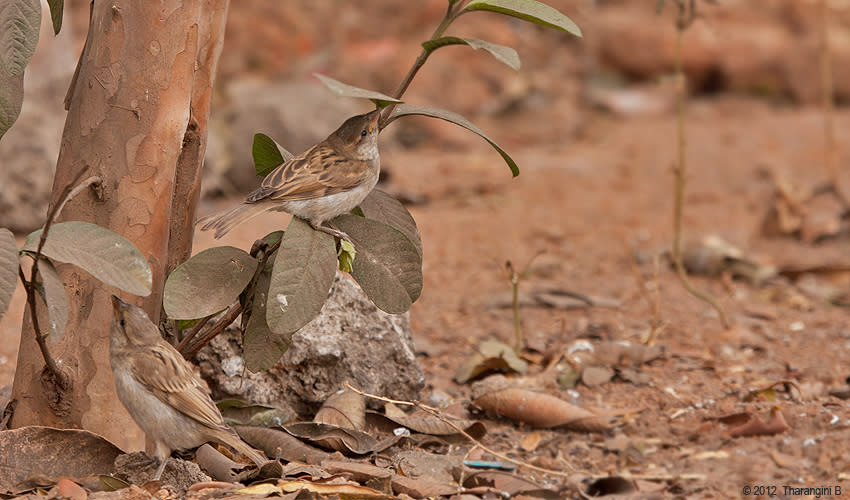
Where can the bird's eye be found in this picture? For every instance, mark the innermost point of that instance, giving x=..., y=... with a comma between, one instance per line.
x=122, y=323
x=364, y=132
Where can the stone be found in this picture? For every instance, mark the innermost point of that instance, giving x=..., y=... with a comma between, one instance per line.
x=350, y=341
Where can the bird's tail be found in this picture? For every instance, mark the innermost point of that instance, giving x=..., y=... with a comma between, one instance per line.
x=234, y=441
x=224, y=221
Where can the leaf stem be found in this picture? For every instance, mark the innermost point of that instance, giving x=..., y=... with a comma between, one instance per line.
x=454, y=10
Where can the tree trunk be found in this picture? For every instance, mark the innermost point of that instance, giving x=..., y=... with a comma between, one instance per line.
x=138, y=114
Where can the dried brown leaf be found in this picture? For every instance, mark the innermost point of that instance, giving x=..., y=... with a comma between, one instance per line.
x=540, y=410
x=758, y=427
x=277, y=444
x=53, y=453
x=334, y=438
x=345, y=409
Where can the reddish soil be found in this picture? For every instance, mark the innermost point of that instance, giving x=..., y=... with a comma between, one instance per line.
x=595, y=190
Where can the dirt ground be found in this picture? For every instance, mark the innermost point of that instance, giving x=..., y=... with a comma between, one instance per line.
x=595, y=197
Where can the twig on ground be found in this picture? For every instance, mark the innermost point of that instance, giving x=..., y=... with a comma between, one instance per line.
x=438, y=414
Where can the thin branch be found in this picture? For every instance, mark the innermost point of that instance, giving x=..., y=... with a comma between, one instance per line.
x=438, y=414
x=188, y=347
x=684, y=19
x=228, y=317
x=57, y=374
x=192, y=333
x=73, y=188
x=828, y=107
x=452, y=12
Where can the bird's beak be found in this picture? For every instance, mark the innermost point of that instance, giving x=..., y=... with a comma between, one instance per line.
x=373, y=119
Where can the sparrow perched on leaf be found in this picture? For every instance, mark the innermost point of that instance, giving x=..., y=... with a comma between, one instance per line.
x=327, y=180
x=158, y=388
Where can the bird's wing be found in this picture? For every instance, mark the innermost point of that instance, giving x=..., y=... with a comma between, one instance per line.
x=162, y=370
x=319, y=171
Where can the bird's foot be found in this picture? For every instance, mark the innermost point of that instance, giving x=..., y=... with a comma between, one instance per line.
x=333, y=232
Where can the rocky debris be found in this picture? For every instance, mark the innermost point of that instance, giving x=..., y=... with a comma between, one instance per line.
x=350, y=341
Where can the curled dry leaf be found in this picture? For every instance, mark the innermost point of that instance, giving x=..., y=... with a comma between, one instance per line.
x=540, y=410
x=52, y=453
x=221, y=468
x=341, y=490
x=510, y=484
x=429, y=424
x=334, y=438
x=491, y=357
x=755, y=426
x=713, y=256
x=345, y=409
x=277, y=444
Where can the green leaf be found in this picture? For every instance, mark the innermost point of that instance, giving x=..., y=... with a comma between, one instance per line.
x=302, y=276
x=8, y=268
x=107, y=256
x=56, y=8
x=449, y=116
x=382, y=207
x=55, y=299
x=388, y=266
x=504, y=54
x=208, y=282
x=267, y=154
x=527, y=10
x=345, y=90
x=262, y=347
x=346, y=256
x=20, y=21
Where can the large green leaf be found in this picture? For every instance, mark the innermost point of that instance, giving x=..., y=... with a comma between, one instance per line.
x=56, y=8
x=208, y=282
x=388, y=266
x=53, y=293
x=449, y=116
x=107, y=256
x=502, y=53
x=301, y=278
x=345, y=90
x=8, y=268
x=382, y=207
x=267, y=154
x=262, y=347
x=20, y=21
x=527, y=10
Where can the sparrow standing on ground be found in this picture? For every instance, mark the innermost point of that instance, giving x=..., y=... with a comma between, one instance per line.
x=158, y=388
x=327, y=180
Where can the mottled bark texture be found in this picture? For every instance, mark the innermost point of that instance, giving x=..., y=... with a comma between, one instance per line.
x=138, y=116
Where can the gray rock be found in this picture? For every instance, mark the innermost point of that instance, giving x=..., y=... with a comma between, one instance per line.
x=350, y=341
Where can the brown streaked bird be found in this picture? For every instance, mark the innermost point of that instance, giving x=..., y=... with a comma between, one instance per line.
x=327, y=180
x=159, y=389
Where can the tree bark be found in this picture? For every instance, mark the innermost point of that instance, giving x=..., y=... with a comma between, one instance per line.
x=139, y=108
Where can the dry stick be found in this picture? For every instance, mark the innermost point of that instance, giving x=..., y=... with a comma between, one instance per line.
x=438, y=414
x=679, y=169
x=70, y=191
x=653, y=300
x=828, y=106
